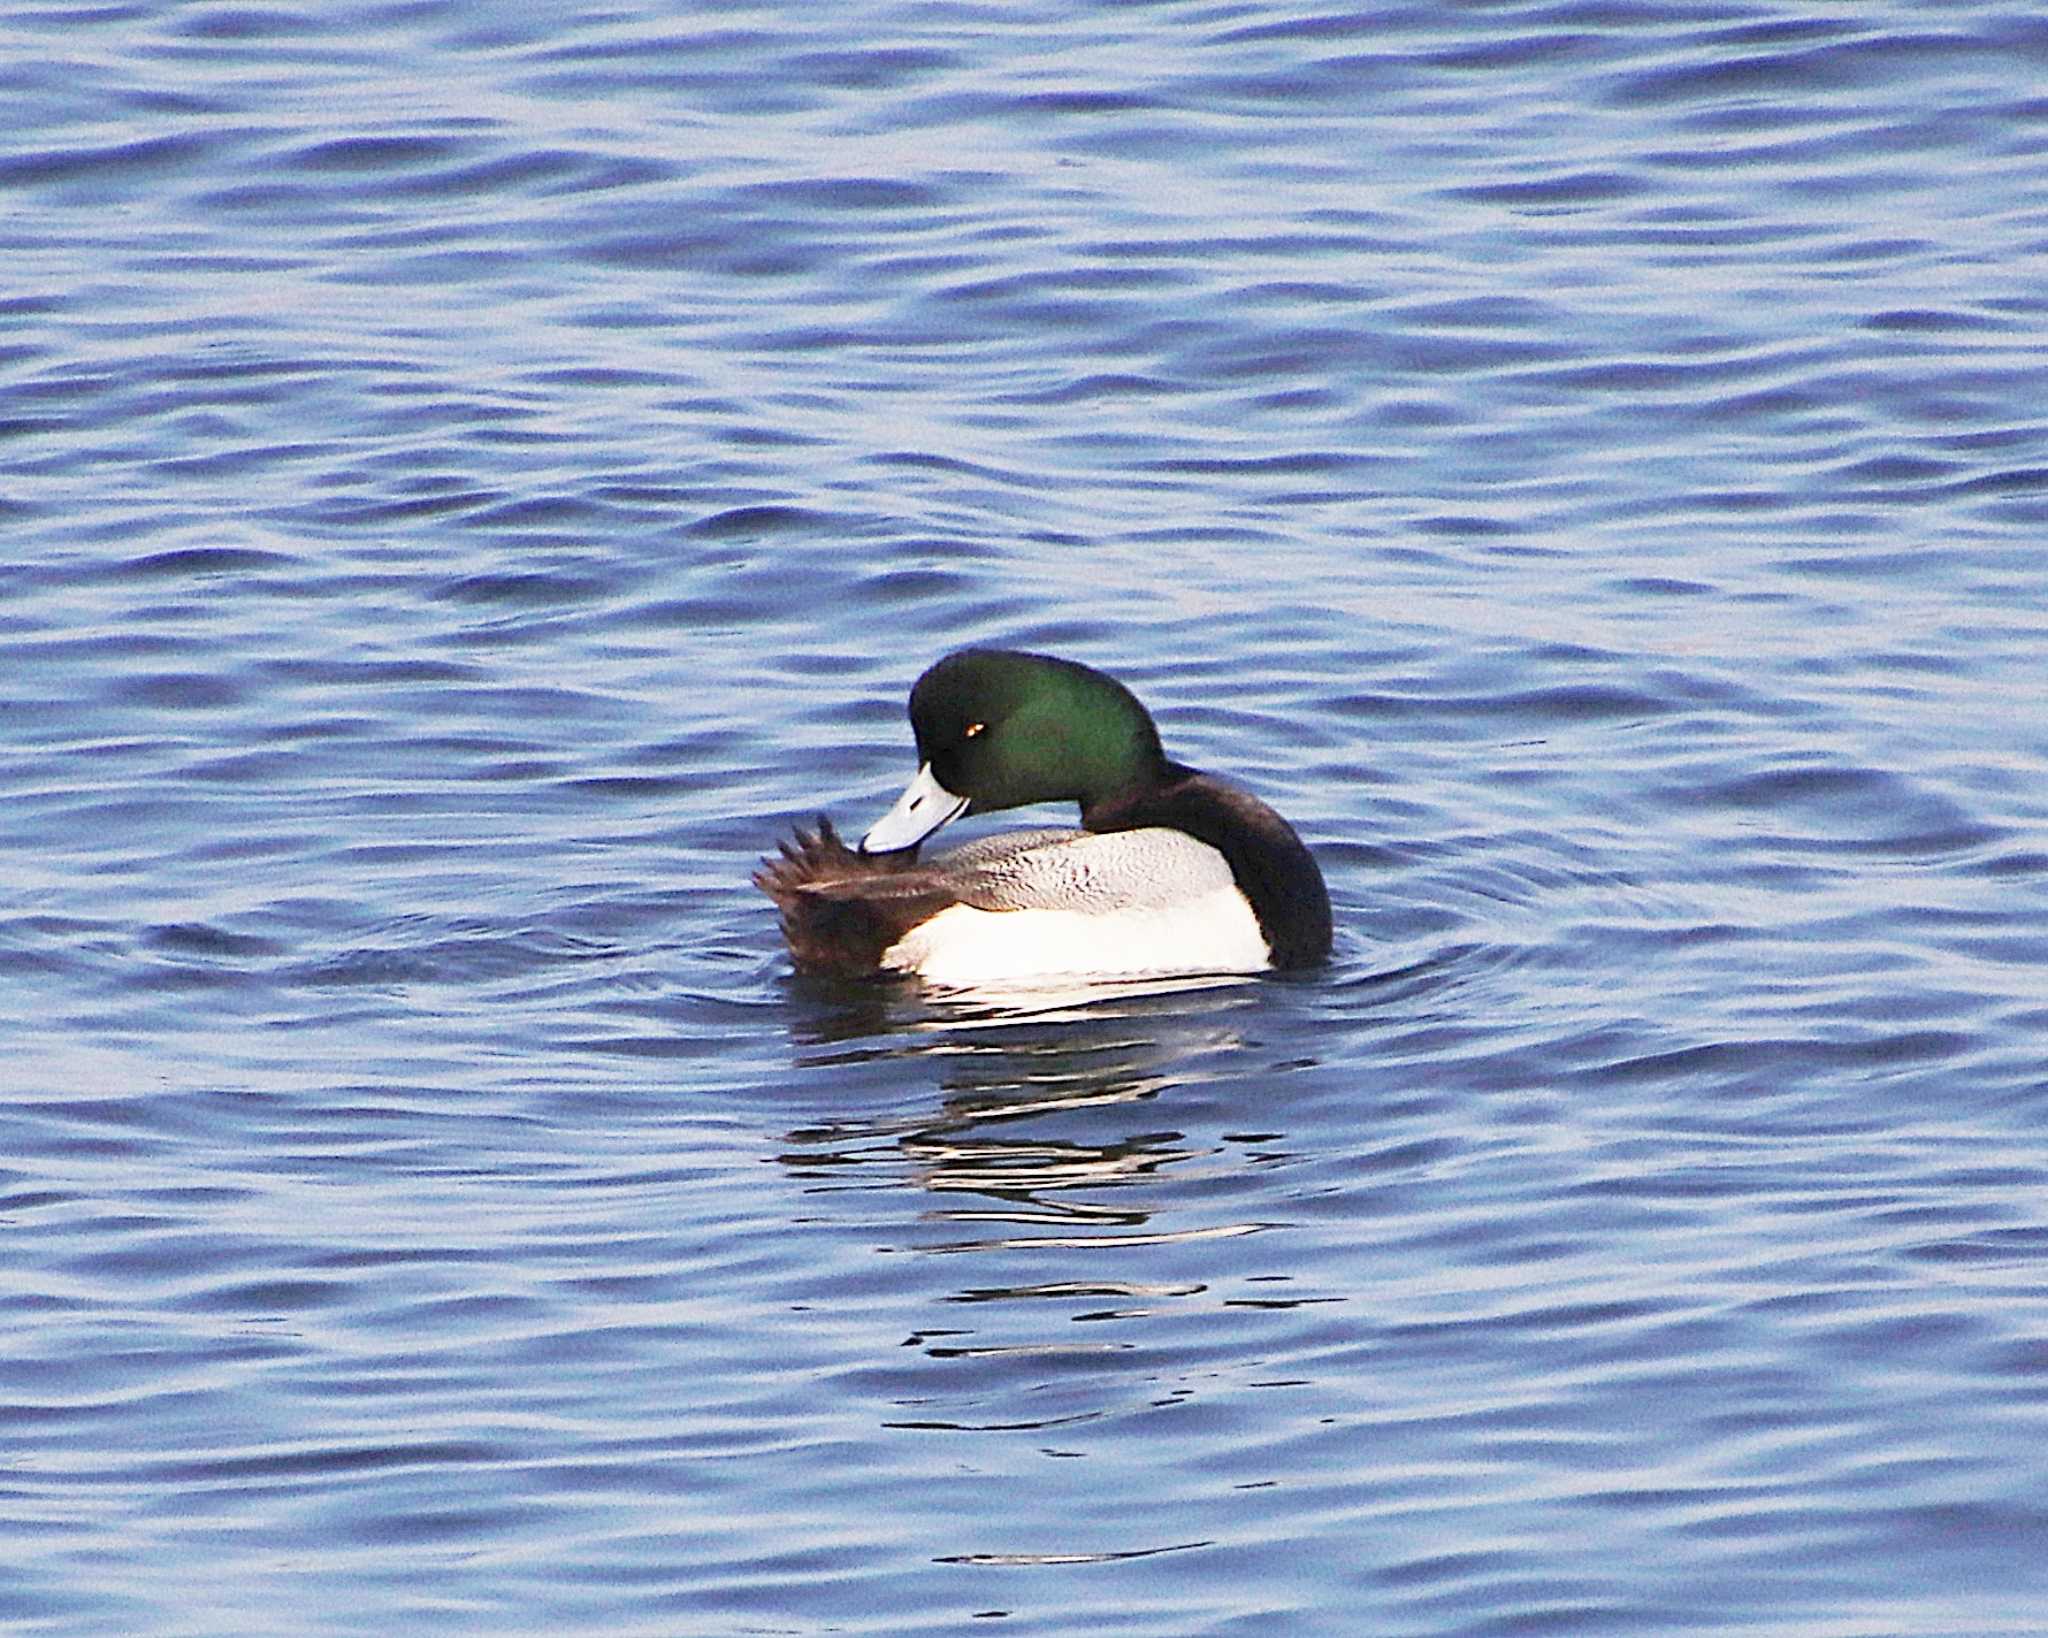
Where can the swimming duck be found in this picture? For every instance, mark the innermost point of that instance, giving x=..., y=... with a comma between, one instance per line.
x=1172, y=871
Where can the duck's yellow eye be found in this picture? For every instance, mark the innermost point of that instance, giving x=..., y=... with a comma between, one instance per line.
x=972, y=729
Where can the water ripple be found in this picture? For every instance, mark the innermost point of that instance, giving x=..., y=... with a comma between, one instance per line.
x=475, y=476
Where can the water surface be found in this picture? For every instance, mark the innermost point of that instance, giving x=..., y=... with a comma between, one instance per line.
x=473, y=475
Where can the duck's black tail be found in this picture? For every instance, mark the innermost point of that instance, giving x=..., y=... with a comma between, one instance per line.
x=841, y=909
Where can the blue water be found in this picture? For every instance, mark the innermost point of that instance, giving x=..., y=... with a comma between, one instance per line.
x=473, y=474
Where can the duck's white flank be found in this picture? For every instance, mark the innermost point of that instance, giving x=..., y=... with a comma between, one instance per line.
x=1214, y=932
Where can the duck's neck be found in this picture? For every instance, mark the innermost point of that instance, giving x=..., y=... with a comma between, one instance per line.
x=1134, y=804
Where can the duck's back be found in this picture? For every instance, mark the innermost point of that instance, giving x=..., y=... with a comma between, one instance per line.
x=1066, y=869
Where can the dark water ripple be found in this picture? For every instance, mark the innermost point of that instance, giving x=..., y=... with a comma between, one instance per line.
x=472, y=475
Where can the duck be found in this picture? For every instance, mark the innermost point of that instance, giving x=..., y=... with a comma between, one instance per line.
x=1171, y=871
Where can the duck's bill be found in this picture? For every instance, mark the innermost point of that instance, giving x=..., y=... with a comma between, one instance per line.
x=923, y=807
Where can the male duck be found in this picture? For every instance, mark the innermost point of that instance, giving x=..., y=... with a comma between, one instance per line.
x=1173, y=872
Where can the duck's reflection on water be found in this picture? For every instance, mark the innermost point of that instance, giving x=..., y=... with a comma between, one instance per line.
x=905, y=1019
x=1073, y=1065
x=1075, y=1170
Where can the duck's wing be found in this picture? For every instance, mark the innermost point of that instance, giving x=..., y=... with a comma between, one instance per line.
x=1149, y=869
